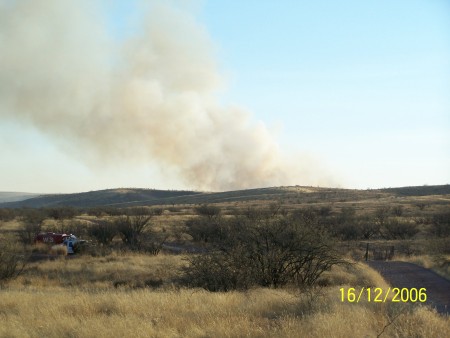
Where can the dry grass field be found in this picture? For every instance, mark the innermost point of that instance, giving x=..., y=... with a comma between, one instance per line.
x=111, y=291
x=77, y=298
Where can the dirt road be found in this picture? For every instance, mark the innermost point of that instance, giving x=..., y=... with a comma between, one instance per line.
x=408, y=275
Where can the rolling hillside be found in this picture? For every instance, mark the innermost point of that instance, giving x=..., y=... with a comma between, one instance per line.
x=138, y=197
x=110, y=197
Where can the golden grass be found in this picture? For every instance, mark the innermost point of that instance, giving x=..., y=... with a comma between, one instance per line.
x=355, y=274
x=186, y=313
x=439, y=264
x=76, y=298
x=100, y=272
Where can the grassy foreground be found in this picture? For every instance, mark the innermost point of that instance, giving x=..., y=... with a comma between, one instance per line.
x=187, y=313
x=77, y=298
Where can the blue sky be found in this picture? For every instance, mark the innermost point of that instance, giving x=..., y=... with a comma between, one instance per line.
x=363, y=87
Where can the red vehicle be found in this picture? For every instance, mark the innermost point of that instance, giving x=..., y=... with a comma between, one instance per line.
x=50, y=238
x=69, y=241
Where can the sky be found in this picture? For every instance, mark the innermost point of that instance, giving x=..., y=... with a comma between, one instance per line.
x=221, y=95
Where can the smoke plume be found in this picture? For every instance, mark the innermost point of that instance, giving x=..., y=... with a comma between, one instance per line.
x=150, y=97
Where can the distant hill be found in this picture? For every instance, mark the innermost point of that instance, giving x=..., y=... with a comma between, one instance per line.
x=139, y=197
x=424, y=190
x=15, y=196
x=110, y=197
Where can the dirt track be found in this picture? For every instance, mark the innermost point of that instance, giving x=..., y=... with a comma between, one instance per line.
x=408, y=275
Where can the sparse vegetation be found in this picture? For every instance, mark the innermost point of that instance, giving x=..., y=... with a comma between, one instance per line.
x=271, y=264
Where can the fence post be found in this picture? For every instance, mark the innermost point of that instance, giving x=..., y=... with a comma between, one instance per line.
x=367, y=252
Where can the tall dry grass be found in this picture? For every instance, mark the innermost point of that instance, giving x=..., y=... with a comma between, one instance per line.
x=126, y=269
x=77, y=298
x=439, y=264
x=195, y=313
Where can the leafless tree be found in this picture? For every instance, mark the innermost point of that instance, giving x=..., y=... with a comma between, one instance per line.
x=131, y=228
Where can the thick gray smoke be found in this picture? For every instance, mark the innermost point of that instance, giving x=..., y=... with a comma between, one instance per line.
x=150, y=98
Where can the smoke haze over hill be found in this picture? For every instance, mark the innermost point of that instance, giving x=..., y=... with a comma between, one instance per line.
x=148, y=98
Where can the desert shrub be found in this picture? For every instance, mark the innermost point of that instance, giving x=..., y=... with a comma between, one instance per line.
x=97, y=212
x=211, y=212
x=7, y=214
x=342, y=225
x=217, y=271
x=103, y=231
x=440, y=224
x=368, y=227
x=307, y=216
x=157, y=211
x=12, y=260
x=28, y=232
x=207, y=226
x=267, y=250
x=32, y=221
x=139, y=211
x=131, y=228
x=381, y=215
x=204, y=230
x=110, y=211
x=153, y=241
x=325, y=211
x=137, y=233
x=397, y=210
x=439, y=247
x=421, y=206
x=395, y=229
x=174, y=209
x=61, y=213
x=348, y=231
x=346, y=215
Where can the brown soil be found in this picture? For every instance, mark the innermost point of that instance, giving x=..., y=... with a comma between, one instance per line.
x=408, y=275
